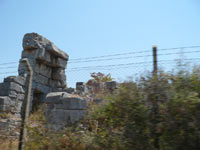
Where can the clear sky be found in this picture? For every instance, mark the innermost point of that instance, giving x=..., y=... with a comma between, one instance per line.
x=86, y=28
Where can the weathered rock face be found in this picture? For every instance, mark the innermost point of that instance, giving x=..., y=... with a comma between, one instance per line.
x=64, y=109
x=12, y=93
x=34, y=41
x=48, y=63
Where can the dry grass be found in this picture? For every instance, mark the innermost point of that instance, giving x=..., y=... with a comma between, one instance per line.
x=8, y=145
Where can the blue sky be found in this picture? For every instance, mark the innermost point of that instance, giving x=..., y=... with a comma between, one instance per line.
x=86, y=28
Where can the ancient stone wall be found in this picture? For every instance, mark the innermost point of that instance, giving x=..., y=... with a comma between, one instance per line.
x=64, y=109
x=93, y=87
x=64, y=105
x=48, y=64
x=12, y=94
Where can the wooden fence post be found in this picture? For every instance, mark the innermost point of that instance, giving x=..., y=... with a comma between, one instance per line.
x=23, y=132
x=155, y=99
x=155, y=62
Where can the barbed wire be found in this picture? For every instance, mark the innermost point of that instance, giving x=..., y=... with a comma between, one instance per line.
x=186, y=47
x=164, y=49
x=88, y=59
x=109, y=66
x=103, y=66
x=127, y=64
x=115, y=66
x=8, y=72
x=110, y=59
x=8, y=67
x=94, y=58
x=134, y=57
x=106, y=68
x=8, y=63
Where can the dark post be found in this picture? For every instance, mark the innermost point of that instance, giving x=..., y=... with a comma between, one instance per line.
x=155, y=102
x=23, y=133
x=155, y=65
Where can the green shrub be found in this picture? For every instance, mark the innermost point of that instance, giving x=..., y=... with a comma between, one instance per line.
x=153, y=113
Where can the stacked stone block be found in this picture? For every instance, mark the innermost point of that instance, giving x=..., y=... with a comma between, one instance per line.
x=48, y=64
x=64, y=109
x=93, y=87
x=12, y=94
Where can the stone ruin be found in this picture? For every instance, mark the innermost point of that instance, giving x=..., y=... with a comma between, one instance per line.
x=63, y=105
x=48, y=86
x=93, y=87
x=48, y=64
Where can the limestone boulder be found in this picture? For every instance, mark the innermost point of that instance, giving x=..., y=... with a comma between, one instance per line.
x=59, y=118
x=40, y=87
x=64, y=108
x=11, y=86
x=66, y=101
x=58, y=74
x=5, y=104
x=40, y=79
x=48, y=63
x=33, y=41
x=81, y=87
x=43, y=70
x=56, y=51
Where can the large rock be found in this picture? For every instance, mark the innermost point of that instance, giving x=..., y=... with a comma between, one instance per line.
x=47, y=61
x=10, y=93
x=40, y=79
x=5, y=104
x=56, y=51
x=33, y=41
x=48, y=64
x=81, y=88
x=64, y=108
x=11, y=86
x=40, y=87
x=66, y=101
x=57, y=83
x=5, y=100
x=58, y=62
x=58, y=74
x=43, y=70
x=59, y=118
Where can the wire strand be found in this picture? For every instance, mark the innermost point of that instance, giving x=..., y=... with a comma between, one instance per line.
x=127, y=64
x=140, y=56
x=164, y=49
x=119, y=54
x=8, y=63
x=8, y=72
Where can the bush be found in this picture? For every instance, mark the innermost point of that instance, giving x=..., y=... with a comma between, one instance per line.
x=153, y=113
